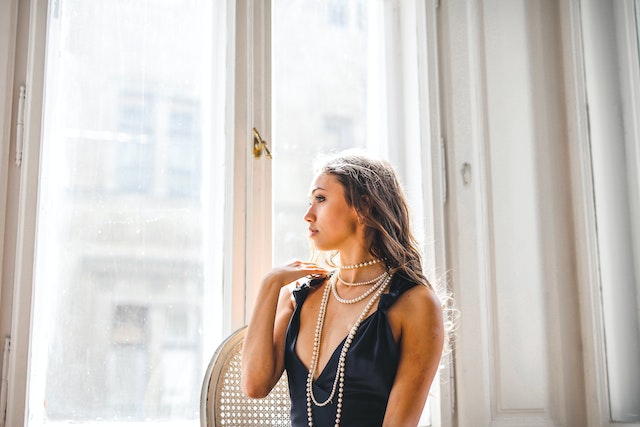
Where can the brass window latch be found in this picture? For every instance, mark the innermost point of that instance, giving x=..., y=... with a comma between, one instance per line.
x=259, y=145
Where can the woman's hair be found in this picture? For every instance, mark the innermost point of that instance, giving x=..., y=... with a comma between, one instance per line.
x=373, y=189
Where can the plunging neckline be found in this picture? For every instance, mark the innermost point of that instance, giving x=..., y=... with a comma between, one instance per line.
x=336, y=352
x=370, y=369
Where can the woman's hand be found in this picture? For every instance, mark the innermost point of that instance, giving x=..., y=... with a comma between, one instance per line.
x=294, y=271
x=263, y=349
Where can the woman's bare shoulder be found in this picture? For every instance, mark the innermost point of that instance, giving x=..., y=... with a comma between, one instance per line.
x=419, y=304
x=419, y=296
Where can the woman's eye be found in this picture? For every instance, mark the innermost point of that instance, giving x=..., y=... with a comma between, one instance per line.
x=316, y=199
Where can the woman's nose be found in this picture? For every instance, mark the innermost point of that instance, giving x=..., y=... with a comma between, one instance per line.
x=308, y=216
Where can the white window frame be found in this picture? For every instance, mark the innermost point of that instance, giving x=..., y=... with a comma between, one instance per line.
x=248, y=193
x=8, y=36
x=588, y=269
x=26, y=217
x=249, y=239
x=33, y=28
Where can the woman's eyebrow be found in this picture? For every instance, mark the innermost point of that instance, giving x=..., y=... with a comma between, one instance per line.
x=315, y=189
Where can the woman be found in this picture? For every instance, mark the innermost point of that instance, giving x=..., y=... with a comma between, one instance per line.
x=377, y=297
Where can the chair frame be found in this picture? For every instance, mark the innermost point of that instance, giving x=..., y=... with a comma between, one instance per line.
x=212, y=412
x=207, y=394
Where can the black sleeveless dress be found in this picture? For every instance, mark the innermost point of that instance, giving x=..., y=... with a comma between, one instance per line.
x=370, y=368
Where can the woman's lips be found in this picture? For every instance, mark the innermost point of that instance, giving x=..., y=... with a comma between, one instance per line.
x=312, y=232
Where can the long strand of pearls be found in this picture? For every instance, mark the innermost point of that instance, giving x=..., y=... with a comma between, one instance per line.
x=339, y=379
x=360, y=265
x=369, y=291
x=368, y=282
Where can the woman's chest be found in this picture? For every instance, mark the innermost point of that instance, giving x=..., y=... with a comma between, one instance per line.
x=323, y=329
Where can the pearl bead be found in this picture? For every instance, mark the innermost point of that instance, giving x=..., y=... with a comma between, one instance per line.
x=355, y=300
x=338, y=382
x=368, y=282
x=360, y=265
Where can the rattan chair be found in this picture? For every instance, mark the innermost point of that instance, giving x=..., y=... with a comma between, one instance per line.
x=222, y=402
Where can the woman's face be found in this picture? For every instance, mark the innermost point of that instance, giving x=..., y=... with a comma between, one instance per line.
x=332, y=222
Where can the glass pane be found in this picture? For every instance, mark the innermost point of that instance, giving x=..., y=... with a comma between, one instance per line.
x=128, y=263
x=325, y=99
x=612, y=63
x=330, y=93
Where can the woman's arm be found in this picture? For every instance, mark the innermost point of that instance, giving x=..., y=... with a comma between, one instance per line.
x=421, y=340
x=263, y=348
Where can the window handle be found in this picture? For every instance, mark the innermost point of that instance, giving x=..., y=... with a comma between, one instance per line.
x=259, y=144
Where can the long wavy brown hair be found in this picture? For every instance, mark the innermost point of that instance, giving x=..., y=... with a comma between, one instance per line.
x=373, y=189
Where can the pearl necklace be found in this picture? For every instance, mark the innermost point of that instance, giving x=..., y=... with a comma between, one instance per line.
x=362, y=264
x=369, y=291
x=368, y=282
x=339, y=378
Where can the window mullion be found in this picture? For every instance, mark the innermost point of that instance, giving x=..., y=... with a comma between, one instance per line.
x=251, y=209
x=259, y=240
x=26, y=222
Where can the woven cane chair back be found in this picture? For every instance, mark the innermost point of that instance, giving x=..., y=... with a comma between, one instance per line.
x=222, y=402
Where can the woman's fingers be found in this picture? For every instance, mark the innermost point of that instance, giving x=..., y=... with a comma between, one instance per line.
x=297, y=269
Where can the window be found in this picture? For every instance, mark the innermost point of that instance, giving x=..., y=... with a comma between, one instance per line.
x=331, y=92
x=612, y=59
x=133, y=159
x=338, y=13
x=321, y=104
x=142, y=203
x=127, y=293
x=183, y=167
